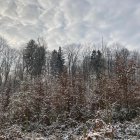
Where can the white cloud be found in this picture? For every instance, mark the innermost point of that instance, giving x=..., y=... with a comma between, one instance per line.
x=11, y=10
x=62, y=21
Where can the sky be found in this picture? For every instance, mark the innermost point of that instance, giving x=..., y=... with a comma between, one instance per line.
x=62, y=22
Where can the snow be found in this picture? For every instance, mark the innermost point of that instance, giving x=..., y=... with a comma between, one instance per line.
x=81, y=131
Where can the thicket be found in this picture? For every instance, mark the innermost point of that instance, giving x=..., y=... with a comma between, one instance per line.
x=39, y=87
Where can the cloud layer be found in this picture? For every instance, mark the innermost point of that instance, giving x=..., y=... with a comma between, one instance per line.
x=67, y=21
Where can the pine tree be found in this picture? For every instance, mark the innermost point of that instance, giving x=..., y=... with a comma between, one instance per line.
x=97, y=63
x=53, y=62
x=28, y=56
x=60, y=61
x=39, y=60
x=93, y=61
x=34, y=58
x=57, y=62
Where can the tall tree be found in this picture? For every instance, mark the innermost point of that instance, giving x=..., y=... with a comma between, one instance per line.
x=93, y=62
x=60, y=61
x=34, y=58
x=7, y=57
x=39, y=60
x=72, y=52
x=53, y=63
x=57, y=62
x=97, y=63
x=28, y=56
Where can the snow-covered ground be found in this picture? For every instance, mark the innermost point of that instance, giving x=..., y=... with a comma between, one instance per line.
x=73, y=130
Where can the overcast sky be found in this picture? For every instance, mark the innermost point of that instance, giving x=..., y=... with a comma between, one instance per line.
x=68, y=21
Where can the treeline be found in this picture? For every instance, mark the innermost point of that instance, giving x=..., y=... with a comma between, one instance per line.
x=38, y=85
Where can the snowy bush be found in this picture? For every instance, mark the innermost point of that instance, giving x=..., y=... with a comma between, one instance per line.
x=21, y=108
x=123, y=114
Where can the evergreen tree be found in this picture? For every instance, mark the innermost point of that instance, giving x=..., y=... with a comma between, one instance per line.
x=97, y=63
x=100, y=64
x=28, y=56
x=34, y=58
x=53, y=62
x=93, y=61
x=39, y=60
x=86, y=67
x=57, y=62
x=60, y=61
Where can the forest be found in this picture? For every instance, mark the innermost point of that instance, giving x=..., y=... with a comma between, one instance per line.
x=51, y=92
